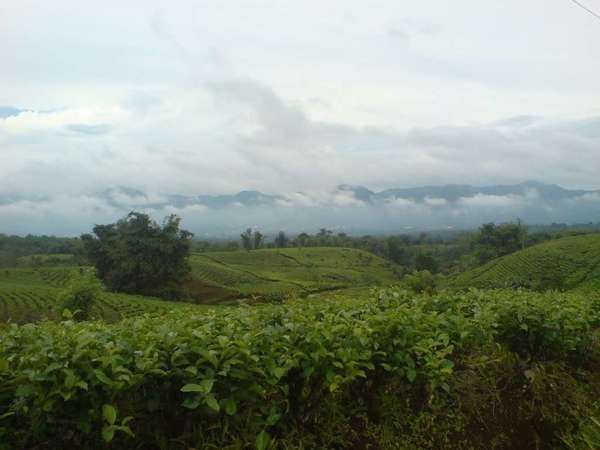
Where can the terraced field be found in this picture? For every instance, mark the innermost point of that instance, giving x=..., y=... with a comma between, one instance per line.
x=29, y=295
x=58, y=259
x=563, y=264
x=298, y=271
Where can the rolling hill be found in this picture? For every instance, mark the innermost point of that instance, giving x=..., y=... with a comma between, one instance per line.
x=30, y=294
x=562, y=264
x=292, y=271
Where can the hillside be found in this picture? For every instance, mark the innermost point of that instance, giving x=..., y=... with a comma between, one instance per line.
x=30, y=294
x=299, y=271
x=563, y=264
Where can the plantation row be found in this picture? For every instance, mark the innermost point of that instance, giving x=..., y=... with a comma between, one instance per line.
x=392, y=371
x=24, y=305
x=46, y=277
x=285, y=272
x=563, y=264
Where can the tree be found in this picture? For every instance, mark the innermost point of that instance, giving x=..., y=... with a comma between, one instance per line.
x=281, y=240
x=421, y=282
x=302, y=239
x=395, y=249
x=493, y=241
x=258, y=239
x=424, y=261
x=137, y=255
x=247, y=239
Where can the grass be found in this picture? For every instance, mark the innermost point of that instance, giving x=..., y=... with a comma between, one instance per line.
x=293, y=271
x=563, y=264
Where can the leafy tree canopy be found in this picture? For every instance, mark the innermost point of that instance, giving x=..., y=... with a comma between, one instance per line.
x=137, y=255
x=493, y=241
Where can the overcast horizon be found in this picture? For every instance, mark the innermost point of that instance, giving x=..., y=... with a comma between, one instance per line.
x=283, y=97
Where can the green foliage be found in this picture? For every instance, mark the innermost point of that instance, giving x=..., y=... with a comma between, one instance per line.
x=587, y=436
x=80, y=297
x=281, y=240
x=425, y=261
x=139, y=256
x=276, y=274
x=493, y=241
x=252, y=240
x=314, y=373
x=246, y=237
x=562, y=264
x=15, y=249
x=29, y=295
x=421, y=282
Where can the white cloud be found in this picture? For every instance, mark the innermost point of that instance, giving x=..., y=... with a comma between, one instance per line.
x=57, y=121
x=433, y=201
x=492, y=201
x=192, y=99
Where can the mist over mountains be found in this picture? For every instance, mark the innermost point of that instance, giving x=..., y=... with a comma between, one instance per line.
x=348, y=208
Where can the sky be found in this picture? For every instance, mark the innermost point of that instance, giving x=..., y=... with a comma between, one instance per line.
x=199, y=97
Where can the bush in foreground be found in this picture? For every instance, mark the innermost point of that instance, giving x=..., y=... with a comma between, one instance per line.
x=398, y=371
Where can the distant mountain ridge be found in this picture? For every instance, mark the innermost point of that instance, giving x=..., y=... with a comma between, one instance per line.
x=454, y=192
x=350, y=208
x=449, y=193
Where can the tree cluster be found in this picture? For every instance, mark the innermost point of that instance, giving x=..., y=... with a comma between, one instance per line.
x=252, y=240
x=14, y=247
x=493, y=241
x=137, y=255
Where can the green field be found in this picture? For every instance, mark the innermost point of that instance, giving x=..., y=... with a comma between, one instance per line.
x=58, y=259
x=337, y=363
x=294, y=271
x=30, y=294
x=562, y=264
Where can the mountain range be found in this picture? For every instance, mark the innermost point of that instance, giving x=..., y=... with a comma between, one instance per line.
x=349, y=208
x=444, y=194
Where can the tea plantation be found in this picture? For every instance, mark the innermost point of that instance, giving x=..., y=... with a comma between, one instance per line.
x=337, y=362
x=486, y=369
x=563, y=264
x=30, y=294
x=294, y=271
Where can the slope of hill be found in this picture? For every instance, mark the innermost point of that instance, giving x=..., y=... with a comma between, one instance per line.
x=562, y=264
x=281, y=272
x=30, y=294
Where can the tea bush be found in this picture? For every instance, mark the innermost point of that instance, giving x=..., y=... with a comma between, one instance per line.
x=80, y=297
x=307, y=374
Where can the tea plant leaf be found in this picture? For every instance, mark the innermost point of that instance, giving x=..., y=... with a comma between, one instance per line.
x=108, y=433
x=263, y=440
x=109, y=413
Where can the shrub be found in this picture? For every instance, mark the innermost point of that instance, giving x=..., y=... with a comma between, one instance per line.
x=430, y=371
x=80, y=297
x=421, y=282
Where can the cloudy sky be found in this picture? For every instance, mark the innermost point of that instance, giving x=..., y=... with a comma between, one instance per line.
x=207, y=97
